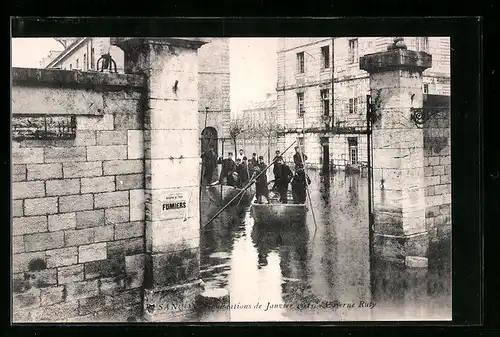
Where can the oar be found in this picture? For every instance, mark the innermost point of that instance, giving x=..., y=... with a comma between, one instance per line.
x=246, y=187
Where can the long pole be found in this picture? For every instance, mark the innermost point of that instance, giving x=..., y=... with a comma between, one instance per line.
x=222, y=166
x=246, y=187
x=368, y=144
x=305, y=176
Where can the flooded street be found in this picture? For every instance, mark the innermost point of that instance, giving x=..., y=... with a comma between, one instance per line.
x=319, y=270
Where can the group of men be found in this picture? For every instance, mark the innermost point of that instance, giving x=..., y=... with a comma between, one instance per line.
x=240, y=172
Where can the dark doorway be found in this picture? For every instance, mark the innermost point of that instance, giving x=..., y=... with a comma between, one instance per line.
x=209, y=139
x=326, y=154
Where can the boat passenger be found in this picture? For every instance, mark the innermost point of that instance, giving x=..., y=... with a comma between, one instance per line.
x=228, y=168
x=297, y=158
x=299, y=187
x=242, y=170
x=283, y=175
x=275, y=167
x=253, y=162
x=261, y=189
x=240, y=155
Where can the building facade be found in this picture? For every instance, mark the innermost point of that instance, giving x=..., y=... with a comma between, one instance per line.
x=260, y=124
x=213, y=83
x=333, y=113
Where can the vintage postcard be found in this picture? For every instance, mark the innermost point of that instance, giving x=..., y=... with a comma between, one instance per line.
x=183, y=179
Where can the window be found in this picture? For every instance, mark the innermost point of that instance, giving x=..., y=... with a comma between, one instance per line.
x=92, y=59
x=300, y=103
x=300, y=63
x=76, y=64
x=84, y=61
x=353, y=51
x=325, y=101
x=70, y=66
x=353, y=101
x=426, y=88
x=422, y=44
x=325, y=53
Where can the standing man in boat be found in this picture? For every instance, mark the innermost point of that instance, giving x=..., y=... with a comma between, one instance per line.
x=261, y=189
x=240, y=155
x=282, y=175
x=253, y=162
x=242, y=170
x=228, y=168
x=276, y=167
x=209, y=161
x=297, y=158
x=299, y=187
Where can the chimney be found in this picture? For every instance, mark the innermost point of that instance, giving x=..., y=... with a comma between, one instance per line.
x=268, y=95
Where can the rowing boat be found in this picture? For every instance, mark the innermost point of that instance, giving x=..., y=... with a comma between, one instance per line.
x=277, y=212
x=223, y=194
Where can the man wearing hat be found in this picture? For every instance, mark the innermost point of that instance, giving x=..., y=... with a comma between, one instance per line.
x=253, y=162
x=276, y=166
x=283, y=175
x=297, y=157
x=228, y=168
x=261, y=189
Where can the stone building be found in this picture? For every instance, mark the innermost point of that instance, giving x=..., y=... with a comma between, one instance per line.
x=213, y=70
x=260, y=122
x=335, y=115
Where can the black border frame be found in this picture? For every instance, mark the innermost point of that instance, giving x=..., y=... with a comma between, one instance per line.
x=467, y=147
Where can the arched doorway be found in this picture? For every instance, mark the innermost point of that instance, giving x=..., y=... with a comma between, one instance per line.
x=209, y=139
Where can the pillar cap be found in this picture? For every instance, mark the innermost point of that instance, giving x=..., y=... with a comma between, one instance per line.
x=395, y=59
x=188, y=42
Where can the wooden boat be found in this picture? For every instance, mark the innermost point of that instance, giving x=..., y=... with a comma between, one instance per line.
x=277, y=212
x=223, y=194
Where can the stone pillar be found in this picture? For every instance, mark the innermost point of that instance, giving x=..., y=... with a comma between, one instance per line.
x=398, y=153
x=172, y=171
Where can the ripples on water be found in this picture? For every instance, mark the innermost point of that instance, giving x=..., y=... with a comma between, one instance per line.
x=324, y=263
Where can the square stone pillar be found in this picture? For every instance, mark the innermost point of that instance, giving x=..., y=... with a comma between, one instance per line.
x=398, y=153
x=172, y=171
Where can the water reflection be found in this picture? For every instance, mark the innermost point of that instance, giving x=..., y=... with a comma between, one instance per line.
x=301, y=267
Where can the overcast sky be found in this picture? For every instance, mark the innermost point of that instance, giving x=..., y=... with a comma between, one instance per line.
x=252, y=64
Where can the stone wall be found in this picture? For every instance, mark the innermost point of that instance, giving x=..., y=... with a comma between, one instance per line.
x=214, y=86
x=78, y=213
x=437, y=158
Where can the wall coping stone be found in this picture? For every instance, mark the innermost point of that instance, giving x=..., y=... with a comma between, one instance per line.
x=395, y=59
x=189, y=42
x=76, y=78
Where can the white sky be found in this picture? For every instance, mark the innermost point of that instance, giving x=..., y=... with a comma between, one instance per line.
x=253, y=64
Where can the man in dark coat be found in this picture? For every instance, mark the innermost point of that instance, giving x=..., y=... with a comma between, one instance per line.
x=253, y=162
x=276, y=166
x=228, y=168
x=297, y=158
x=283, y=175
x=299, y=187
x=243, y=172
x=209, y=160
x=261, y=189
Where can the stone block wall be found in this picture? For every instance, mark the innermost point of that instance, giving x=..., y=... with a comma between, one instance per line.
x=437, y=158
x=214, y=86
x=77, y=204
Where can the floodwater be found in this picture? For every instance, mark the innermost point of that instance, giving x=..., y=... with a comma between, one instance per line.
x=319, y=270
